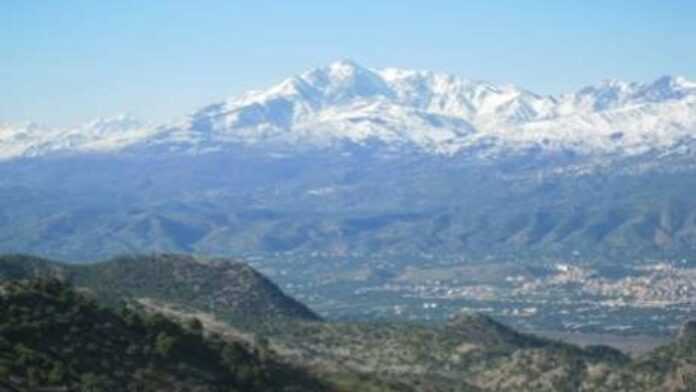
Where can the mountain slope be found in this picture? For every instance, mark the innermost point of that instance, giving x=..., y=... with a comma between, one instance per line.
x=240, y=204
x=228, y=289
x=52, y=338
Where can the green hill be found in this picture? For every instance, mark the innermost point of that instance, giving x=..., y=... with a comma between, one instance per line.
x=54, y=339
x=231, y=290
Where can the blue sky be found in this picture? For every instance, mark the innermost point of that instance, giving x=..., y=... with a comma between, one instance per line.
x=66, y=62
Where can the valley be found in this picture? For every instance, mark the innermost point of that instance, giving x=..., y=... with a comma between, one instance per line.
x=651, y=298
x=290, y=346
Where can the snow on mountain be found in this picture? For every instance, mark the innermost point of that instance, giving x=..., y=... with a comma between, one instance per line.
x=614, y=94
x=106, y=134
x=18, y=140
x=436, y=112
x=479, y=102
x=443, y=113
x=632, y=129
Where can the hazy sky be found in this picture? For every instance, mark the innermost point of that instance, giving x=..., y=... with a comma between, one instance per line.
x=66, y=62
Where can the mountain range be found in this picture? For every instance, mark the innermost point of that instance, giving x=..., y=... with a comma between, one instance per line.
x=348, y=160
x=433, y=112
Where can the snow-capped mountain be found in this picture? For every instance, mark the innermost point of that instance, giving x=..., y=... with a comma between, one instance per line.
x=104, y=134
x=437, y=113
x=448, y=166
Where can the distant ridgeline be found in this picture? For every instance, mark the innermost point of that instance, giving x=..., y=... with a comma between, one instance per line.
x=522, y=206
x=174, y=323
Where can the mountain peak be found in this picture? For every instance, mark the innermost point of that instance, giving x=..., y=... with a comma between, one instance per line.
x=342, y=69
x=349, y=70
x=668, y=81
x=343, y=81
x=666, y=88
x=344, y=64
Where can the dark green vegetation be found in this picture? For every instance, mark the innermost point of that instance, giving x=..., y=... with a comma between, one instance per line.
x=469, y=353
x=366, y=203
x=52, y=338
x=228, y=289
